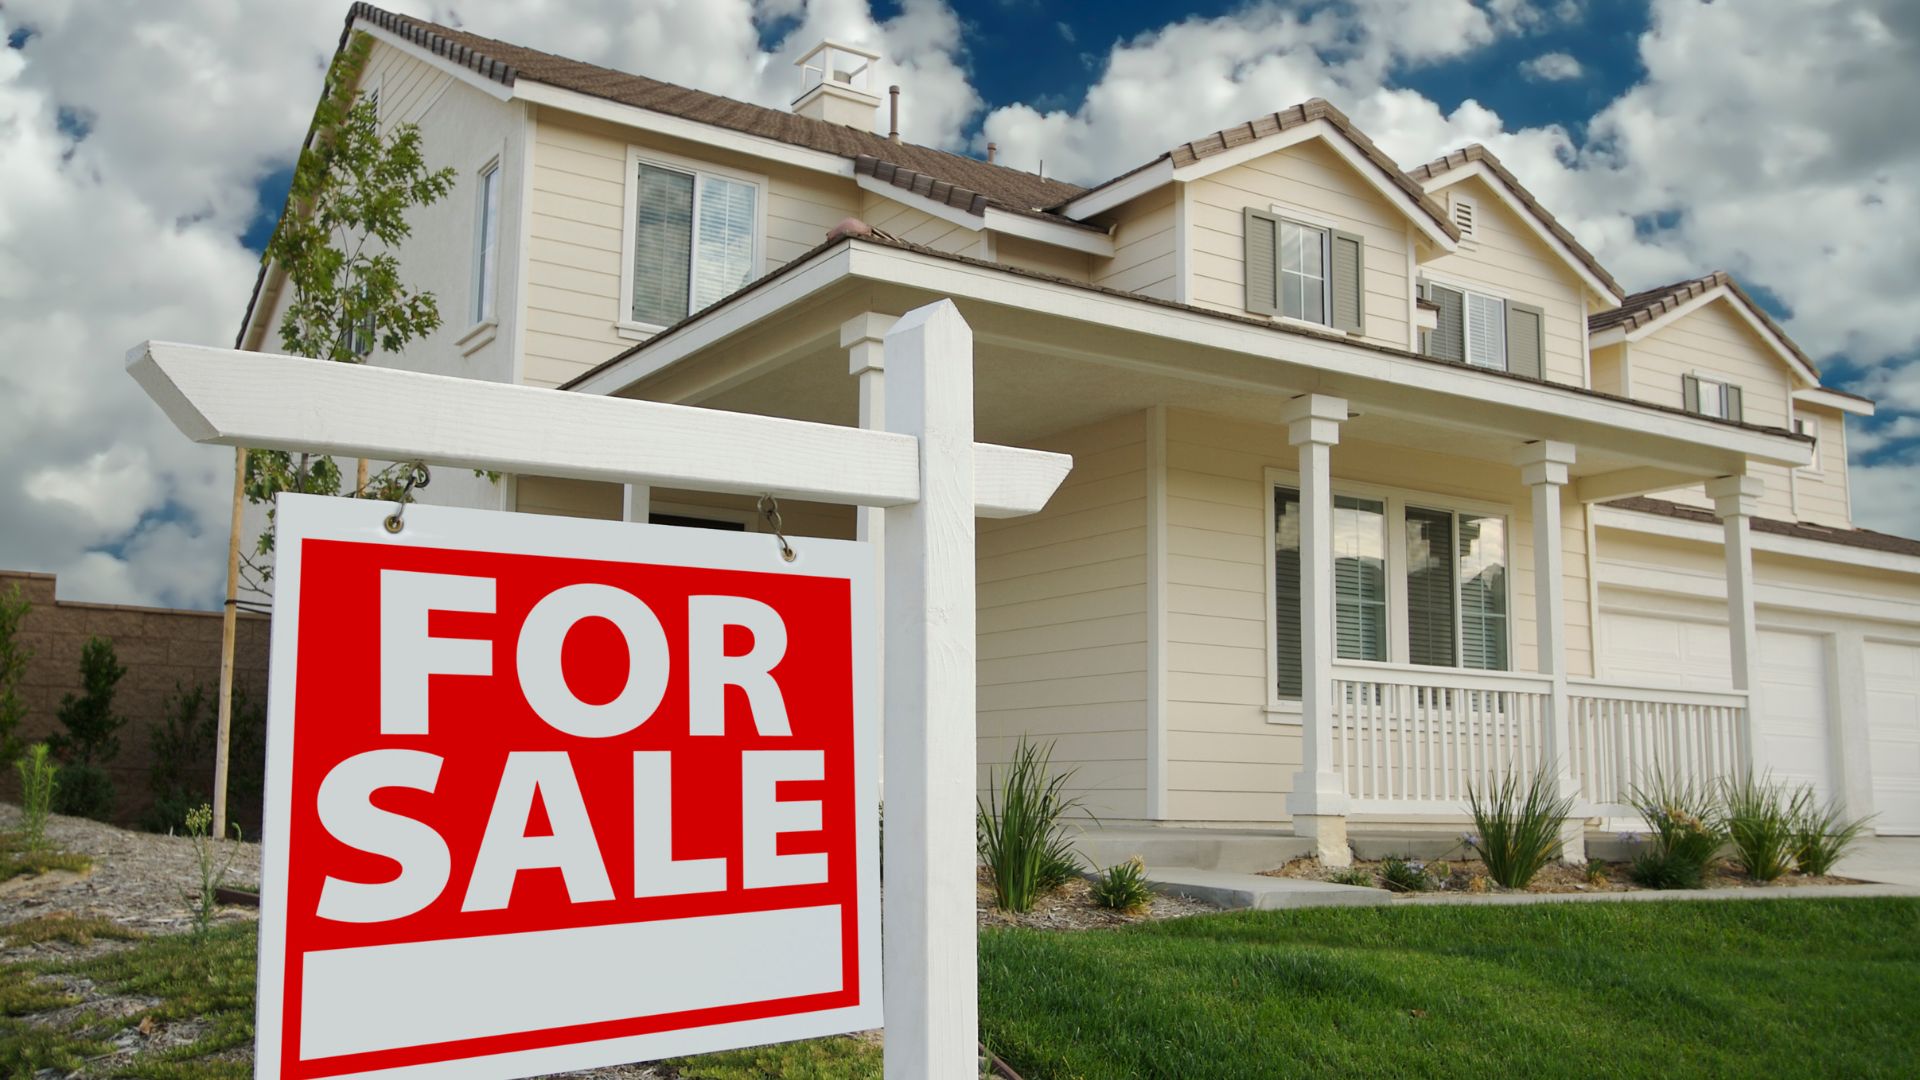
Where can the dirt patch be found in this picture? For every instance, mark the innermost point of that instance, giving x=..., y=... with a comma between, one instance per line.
x=1071, y=907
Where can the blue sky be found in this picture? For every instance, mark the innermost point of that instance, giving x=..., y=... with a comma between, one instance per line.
x=145, y=151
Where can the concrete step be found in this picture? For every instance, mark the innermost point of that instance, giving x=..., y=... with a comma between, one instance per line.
x=1236, y=851
x=1252, y=891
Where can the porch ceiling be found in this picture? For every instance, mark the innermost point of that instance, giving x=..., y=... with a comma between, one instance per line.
x=1040, y=370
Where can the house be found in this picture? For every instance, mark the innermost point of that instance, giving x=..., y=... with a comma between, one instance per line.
x=1526, y=517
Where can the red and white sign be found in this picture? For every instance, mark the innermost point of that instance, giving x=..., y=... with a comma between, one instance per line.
x=546, y=794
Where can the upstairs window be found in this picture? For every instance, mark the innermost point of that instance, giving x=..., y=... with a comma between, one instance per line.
x=1303, y=271
x=1486, y=331
x=1808, y=426
x=1706, y=396
x=692, y=241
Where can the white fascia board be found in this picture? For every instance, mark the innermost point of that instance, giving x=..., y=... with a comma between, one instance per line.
x=1721, y=292
x=1341, y=145
x=953, y=215
x=1612, y=335
x=1613, y=517
x=1841, y=402
x=553, y=97
x=1123, y=190
x=459, y=71
x=1512, y=202
x=1067, y=236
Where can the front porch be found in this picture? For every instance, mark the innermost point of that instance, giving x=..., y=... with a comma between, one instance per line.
x=1292, y=582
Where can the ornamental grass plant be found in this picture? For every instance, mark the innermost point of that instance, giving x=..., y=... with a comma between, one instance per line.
x=1759, y=815
x=1023, y=835
x=1685, y=832
x=1822, y=835
x=1516, y=829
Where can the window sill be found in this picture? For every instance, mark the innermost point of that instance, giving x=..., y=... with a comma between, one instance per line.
x=1283, y=712
x=479, y=335
x=1288, y=320
x=634, y=331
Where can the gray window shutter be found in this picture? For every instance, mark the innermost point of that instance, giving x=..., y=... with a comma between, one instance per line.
x=1286, y=592
x=1734, y=410
x=1690, y=393
x=1448, y=339
x=1262, y=262
x=1526, y=340
x=1348, y=274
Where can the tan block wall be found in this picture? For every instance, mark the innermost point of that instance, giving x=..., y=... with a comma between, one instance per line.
x=160, y=648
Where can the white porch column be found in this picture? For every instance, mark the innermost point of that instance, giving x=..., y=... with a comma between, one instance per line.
x=1318, y=801
x=1735, y=498
x=1543, y=468
x=864, y=338
x=636, y=502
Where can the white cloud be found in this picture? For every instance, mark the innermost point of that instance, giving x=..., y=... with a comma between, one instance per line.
x=1552, y=67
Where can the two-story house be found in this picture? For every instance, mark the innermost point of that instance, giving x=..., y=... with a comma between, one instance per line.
x=1382, y=485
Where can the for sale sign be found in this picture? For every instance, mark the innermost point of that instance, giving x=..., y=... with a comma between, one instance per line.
x=546, y=794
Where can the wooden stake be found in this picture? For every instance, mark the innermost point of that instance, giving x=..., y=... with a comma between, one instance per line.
x=228, y=630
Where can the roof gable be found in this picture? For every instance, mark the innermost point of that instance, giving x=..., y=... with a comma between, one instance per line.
x=1477, y=160
x=1649, y=310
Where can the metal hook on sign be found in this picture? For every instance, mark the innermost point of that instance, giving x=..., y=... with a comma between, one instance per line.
x=770, y=509
x=417, y=477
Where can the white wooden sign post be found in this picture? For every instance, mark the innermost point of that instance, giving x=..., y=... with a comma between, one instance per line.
x=927, y=473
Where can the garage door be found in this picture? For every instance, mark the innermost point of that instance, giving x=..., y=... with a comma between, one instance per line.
x=1792, y=688
x=1893, y=720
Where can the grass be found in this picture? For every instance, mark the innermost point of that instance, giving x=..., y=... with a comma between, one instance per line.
x=18, y=860
x=1774, y=988
x=1781, y=988
x=65, y=927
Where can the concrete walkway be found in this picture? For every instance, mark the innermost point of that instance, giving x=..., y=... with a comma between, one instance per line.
x=1781, y=892
x=1891, y=859
x=1241, y=892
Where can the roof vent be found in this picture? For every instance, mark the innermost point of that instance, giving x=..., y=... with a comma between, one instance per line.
x=836, y=85
x=1463, y=213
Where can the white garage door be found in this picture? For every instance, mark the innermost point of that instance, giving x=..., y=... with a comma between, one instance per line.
x=1792, y=689
x=1893, y=719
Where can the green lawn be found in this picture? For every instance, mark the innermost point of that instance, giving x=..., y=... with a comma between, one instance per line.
x=1771, y=988
x=1760, y=988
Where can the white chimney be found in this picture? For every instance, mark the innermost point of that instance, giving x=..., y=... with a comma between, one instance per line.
x=836, y=85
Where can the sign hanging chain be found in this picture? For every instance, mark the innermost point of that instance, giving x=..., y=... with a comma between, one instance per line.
x=770, y=509
x=417, y=476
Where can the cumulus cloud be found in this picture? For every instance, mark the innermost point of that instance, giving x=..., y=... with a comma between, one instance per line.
x=1552, y=67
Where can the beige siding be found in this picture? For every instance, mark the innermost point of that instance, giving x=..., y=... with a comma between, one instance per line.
x=573, y=295
x=1317, y=181
x=1822, y=496
x=1041, y=258
x=1226, y=760
x=1506, y=258
x=1716, y=342
x=1063, y=622
x=917, y=226
x=1610, y=370
x=408, y=87
x=1146, y=242
x=567, y=498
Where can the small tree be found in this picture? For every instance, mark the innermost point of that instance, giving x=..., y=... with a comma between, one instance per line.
x=14, y=655
x=92, y=735
x=346, y=217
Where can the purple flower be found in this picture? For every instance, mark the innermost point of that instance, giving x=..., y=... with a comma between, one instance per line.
x=1629, y=837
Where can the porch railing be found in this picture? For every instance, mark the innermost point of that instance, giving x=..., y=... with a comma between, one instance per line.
x=1627, y=735
x=1414, y=741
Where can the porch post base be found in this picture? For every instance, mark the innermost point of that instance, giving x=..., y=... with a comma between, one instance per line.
x=1329, y=835
x=1573, y=840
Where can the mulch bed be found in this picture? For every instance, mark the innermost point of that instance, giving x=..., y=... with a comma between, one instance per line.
x=1071, y=907
x=1470, y=876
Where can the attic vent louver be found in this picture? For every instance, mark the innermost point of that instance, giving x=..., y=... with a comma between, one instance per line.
x=1463, y=214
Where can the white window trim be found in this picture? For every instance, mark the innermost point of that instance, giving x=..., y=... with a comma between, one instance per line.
x=624, y=323
x=1308, y=219
x=482, y=328
x=1813, y=424
x=1399, y=634
x=1463, y=287
x=1717, y=379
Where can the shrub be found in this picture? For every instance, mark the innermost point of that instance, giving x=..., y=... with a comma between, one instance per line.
x=181, y=773
x=13, y=665
x=1404, y=875
x=38, y=781
x=1021, y=835
x=1822, y=835
x=85, y=791
x=1353, y=875
x=1760, y=816
x=214, y=857
x=1123, y=887
x=1685, y=832
x=1516, y=831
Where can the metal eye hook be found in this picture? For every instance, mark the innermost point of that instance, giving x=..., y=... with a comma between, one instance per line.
x=770, y=510
x=418, y=476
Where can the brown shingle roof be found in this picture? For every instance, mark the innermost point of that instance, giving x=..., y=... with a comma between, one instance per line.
x=1306, y=112
x=1006, y=188
x=1650, y=305
x=1859, y=538
x=1467, y=155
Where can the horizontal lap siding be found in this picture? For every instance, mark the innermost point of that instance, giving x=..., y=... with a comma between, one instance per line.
x=1822, y=497
x=917, y=226
x=1145, y=248
x=1063, y=624
x=578, y=223
x=1315, y=179
x=1716, y=342
x=1226, y=761
x=1507, y=257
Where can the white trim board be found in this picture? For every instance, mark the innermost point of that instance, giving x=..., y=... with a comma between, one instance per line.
x=1613, y=517
x=995, y=219
x=1841, y=402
